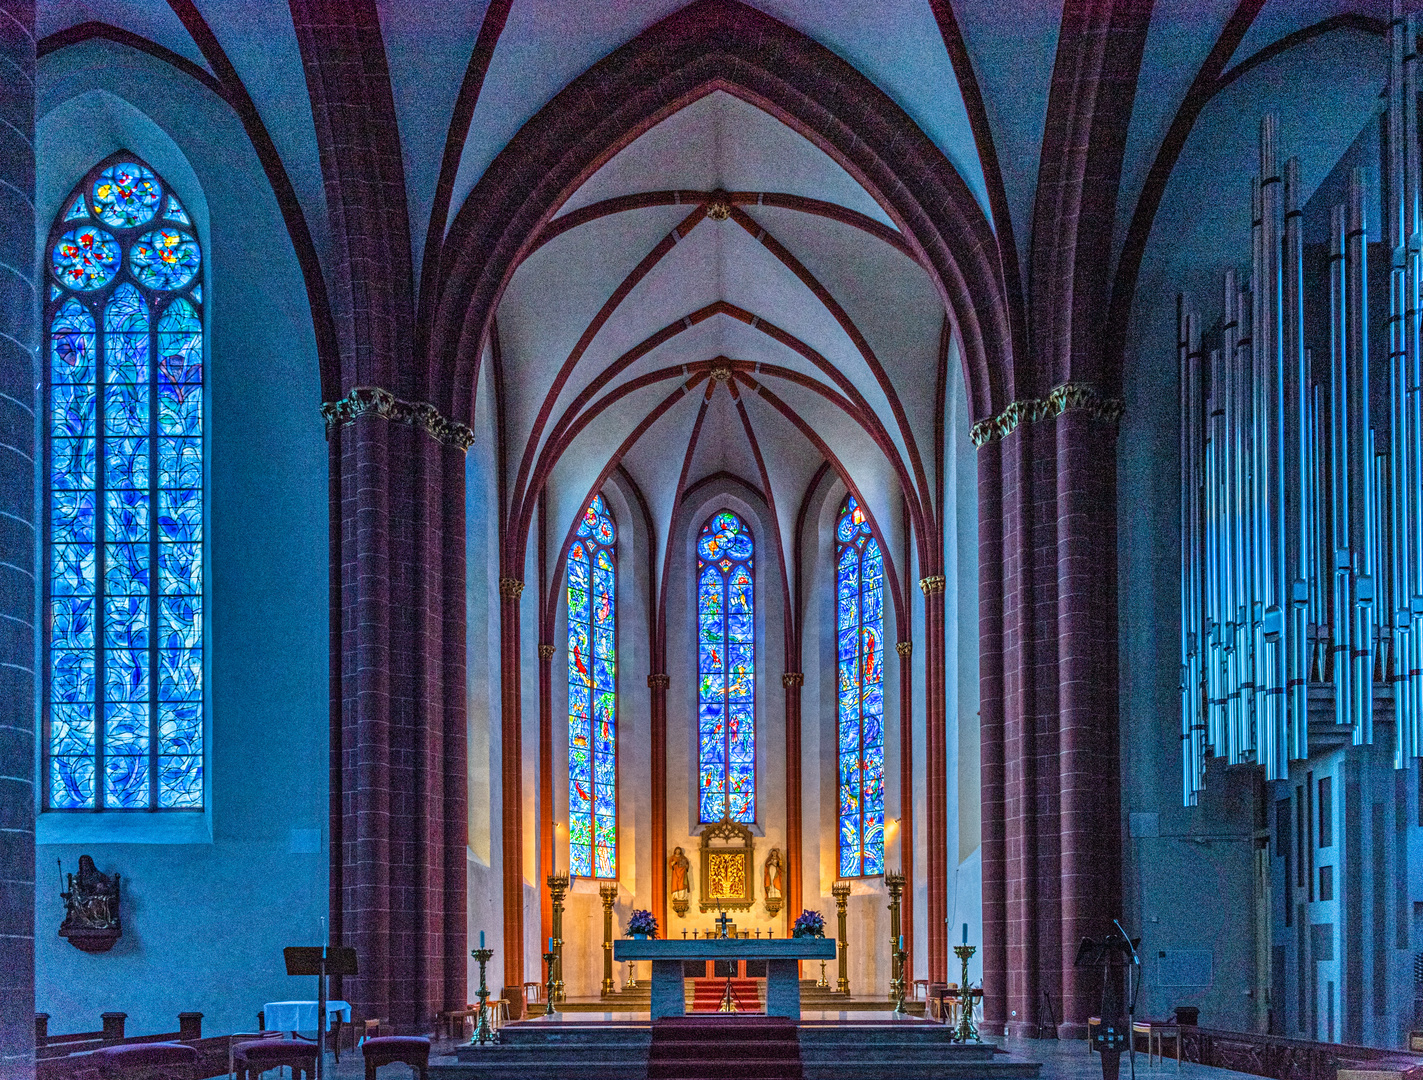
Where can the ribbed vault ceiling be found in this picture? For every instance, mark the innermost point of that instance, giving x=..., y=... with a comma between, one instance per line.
x=727, y=294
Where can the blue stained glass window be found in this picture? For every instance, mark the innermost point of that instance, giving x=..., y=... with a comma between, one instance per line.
x=859, y=626
x=123, y=705
x=593, y=696
x=726, y=669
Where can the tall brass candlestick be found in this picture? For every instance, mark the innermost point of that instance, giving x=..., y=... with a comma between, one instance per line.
x=967, y=1030
x=609, y=894
x=483, y=1032
x=550, y=958
x=841, y=891
x=558, y=889
x=894, y=882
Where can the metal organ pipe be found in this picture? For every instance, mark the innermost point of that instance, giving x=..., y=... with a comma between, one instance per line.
x=1301, y=505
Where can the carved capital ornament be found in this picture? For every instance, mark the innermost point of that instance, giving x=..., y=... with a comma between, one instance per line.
x=510, y=588
x=363, y=400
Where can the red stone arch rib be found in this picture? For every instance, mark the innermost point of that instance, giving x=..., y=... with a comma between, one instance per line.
x=711, y=45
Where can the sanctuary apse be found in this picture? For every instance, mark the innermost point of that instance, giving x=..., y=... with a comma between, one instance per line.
x=710, y=457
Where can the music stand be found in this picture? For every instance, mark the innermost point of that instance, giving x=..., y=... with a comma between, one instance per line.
x=321, y=961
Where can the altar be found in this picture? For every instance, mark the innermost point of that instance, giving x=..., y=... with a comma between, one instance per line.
x=781, y=956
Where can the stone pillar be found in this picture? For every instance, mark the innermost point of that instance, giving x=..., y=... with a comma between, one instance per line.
x=19, y=307
x=399, y=750
x=905, y=649
x=793, y=681
x=512, y=786
x=658, y=682
x=548, y=836
x=936, y=798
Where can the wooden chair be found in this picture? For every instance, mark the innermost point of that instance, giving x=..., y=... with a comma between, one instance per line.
x=533, y=992
x=412, y=1050
x=250, y=1059
x=451, y=1022
x=146, y=1061
x=242, y=1036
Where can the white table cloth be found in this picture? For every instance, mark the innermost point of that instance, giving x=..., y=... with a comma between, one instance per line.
x=301, y=1015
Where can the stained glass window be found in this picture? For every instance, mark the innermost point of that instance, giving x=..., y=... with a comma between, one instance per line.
x=726, y=669
x=859, y=625
x=593, y=696
x=123, y=703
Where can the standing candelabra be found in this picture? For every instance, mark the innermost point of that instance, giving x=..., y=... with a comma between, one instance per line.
x=894, y=882
x=967, y=1031
x=609, y=894
x=841, y=891
x=558, y=889
x=483, y=1032
x=550, y=958
x=821, y=983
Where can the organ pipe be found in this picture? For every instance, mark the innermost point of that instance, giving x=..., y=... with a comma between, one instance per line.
x=1302, y=484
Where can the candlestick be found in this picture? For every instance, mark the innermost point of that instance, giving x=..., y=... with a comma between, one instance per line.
x=483, y=1032
x=967, y=1029
x=550, y=984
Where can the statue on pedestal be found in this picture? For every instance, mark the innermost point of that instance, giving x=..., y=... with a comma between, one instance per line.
x=680, y=866
x=772, y=876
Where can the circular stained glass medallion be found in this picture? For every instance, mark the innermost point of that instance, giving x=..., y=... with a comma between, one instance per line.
x=126, y=195
x=724, y=536
x=165, y=259
x=85, y=258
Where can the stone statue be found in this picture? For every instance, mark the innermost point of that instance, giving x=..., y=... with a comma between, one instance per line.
x=680, y=866
x=91, y=908
x=772, y=876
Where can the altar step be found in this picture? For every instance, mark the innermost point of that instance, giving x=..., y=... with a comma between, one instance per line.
x=852, y=1050
x=553, y=1050
x=724, y=1048
x=890, y=1049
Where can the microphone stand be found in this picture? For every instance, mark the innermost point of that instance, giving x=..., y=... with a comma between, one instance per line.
x=1131, y=997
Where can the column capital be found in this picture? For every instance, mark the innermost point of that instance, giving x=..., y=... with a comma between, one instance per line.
x=658, y=681
x=933, y=584
x=904, y=648
x=510, y=588
x=546, y=650
x=381, y=402
x=792, y=678
x=1068, y=397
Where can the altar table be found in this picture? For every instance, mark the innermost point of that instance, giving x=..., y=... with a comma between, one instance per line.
x=782, y=971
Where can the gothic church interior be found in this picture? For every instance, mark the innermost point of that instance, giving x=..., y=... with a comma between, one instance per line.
x=453, y=447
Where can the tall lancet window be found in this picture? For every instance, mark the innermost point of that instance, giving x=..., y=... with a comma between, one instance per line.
x=593, y=696
x=726, y=666
x=859, y=625
x=123, y=491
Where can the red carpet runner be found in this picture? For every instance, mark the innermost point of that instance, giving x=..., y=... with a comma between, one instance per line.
x=707, y=995
x=724, y=1047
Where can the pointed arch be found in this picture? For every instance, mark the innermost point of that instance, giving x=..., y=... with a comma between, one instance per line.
x=593, y=695
x=122, y=705
x=859, y=653
x=726, y=669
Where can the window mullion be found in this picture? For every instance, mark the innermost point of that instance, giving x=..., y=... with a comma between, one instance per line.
x=154, y=674
x=101, y=548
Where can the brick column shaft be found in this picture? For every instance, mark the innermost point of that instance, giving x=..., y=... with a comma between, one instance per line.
x=936, y=778
x=19, y=306
x=512, y=784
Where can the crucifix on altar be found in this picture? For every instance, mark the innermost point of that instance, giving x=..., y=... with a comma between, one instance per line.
x=722, y=922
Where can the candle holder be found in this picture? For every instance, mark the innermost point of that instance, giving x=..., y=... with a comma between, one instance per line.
x=967, y=1031
x=483, y=1032
x=630, y=983
x=897, y=983
x=551, y=984
x=821, y=983
x=558, y=889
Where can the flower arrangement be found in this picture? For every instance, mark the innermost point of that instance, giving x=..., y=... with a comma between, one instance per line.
x=642, y=922
x=809, y=924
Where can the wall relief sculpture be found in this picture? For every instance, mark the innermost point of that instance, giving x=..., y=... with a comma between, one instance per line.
x=91, y=908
